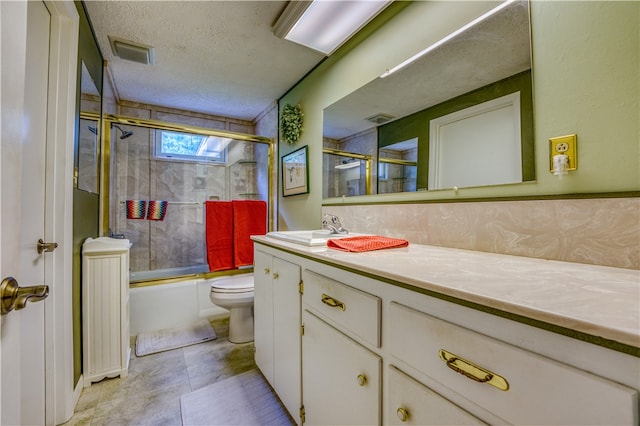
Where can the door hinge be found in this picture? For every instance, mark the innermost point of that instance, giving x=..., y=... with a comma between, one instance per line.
x=302, y=416
x=302, y=329
x=301, y=287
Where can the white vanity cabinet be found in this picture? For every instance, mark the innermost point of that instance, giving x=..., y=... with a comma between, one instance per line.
x=342, y=378
x=516, y=385
x=381, y=350
x=277, y=326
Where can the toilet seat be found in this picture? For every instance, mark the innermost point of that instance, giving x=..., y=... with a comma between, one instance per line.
x=236, y=294
x=231, y=290
x=237, y=285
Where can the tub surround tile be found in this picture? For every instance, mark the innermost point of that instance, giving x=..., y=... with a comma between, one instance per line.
x=178, y=240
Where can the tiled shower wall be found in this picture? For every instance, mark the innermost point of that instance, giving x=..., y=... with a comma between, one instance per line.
x=177, y=241
x=600, y=231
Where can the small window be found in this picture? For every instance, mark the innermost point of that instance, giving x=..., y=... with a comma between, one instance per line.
x=191, y=147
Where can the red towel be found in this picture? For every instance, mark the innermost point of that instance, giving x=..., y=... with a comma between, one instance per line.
x=249, y=218
x=365, y=243
x=219, y=234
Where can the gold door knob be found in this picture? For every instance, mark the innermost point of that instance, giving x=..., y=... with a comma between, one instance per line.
x=362, y=379
x=12, y=296
x=403, y=414
x=267, y=270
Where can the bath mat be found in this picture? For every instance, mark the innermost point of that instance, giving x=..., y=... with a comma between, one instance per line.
x=173, y=338
x=245, y=399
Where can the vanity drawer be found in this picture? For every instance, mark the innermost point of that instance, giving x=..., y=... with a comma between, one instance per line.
x=516, y=385
x=343, y=306
x=412, y=403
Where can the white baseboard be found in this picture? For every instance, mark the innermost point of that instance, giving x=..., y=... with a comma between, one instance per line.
x=77, y=392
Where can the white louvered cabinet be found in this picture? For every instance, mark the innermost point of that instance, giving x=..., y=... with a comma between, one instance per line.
x=105, y=308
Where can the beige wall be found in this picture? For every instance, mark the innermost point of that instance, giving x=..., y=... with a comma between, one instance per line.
x=586, y=67
x=600, y=231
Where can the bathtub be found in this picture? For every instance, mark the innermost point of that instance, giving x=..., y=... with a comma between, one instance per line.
x=161, y=306
x=167, y=273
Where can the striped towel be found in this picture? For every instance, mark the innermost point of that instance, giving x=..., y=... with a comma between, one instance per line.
x=136, y=209
x=157, y=210
x=365, y=243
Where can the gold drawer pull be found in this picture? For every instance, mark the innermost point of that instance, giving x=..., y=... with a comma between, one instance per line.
x=472, y=371
x=403, y=414
x=330, y=301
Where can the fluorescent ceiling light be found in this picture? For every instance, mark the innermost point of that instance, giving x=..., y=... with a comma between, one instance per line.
x=324, y=25
x=447, y=38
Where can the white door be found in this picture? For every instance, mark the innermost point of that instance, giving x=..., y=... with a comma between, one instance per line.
x=23, y=155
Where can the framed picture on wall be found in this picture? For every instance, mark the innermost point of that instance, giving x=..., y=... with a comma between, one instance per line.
x=295, y=175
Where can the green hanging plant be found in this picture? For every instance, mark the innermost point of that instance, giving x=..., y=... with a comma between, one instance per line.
x=291, y=120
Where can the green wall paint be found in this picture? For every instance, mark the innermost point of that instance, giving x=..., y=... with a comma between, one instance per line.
x=417, y=125
x=585, y=81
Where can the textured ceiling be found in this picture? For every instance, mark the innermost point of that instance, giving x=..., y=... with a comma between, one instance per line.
x=494, y=49
x=216, y=57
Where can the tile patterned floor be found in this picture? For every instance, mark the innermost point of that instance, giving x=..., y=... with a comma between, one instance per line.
x=150, y=395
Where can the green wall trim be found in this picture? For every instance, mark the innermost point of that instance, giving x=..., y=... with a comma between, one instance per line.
x=585, y=337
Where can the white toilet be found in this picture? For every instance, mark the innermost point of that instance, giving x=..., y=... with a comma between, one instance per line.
x=235, y=293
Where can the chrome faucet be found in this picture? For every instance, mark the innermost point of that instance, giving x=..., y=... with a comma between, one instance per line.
x=332, y=223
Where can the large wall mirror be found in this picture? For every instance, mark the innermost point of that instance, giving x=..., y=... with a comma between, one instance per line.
x=89, y=132
x=460, y=116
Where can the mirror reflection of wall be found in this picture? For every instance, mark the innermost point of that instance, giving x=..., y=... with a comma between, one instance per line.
x=397, y=167
x=89, y=134
x=88, y=150
x=487, y=61
x=345, y=174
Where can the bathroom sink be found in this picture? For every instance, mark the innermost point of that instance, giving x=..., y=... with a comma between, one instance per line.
x=316, y=237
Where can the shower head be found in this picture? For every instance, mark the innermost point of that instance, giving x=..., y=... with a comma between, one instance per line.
x=124, y=134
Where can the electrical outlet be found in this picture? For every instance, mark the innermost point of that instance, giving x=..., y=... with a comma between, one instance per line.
x=564, y=145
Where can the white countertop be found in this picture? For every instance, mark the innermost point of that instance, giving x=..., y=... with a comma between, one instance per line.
x=596, y=300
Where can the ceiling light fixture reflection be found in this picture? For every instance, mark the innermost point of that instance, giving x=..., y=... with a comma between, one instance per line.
x=346, y=164
x=325, y=25
x=213, y=144
x=447, y=38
